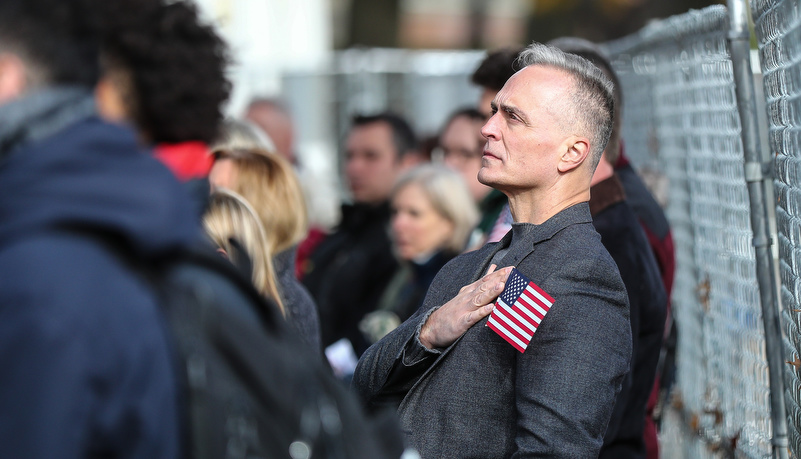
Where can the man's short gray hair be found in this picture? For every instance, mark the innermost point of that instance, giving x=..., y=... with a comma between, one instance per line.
x=592, y=101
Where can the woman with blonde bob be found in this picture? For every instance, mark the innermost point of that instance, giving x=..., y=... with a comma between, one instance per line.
x=269, y=184
x=433, y=214
x=233, y=225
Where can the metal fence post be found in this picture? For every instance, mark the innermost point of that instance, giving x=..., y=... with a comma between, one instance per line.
x=755, y=176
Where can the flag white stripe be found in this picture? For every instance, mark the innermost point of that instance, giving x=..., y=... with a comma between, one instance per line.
x=525, y=310
x=501, y=312
x=521, y=319
x=534, y=305
x=506, y=332
x=539, y=297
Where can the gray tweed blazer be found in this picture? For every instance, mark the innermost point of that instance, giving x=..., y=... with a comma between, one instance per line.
x=481, y=398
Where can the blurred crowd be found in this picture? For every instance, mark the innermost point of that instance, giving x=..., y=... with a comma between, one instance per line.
x=158, y=82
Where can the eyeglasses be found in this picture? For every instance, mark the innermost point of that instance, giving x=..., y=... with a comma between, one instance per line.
x=455, y=156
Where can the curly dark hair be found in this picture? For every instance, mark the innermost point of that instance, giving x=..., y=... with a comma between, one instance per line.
x=174, y=64
x=57, y=39
x=496, y=68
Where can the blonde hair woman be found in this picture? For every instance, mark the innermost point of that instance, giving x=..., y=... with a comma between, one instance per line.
x=233, y=225
x=269, y=183
x=433, y=215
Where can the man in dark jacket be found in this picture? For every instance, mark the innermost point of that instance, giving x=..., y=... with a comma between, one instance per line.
x=625, y=240
x=86, y=364
x=348, y=271
x=461, y=389
x=617, y=194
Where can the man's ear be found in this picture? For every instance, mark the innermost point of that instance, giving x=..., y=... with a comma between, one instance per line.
x=110, y=104
x=411, y=159
x=12, y=77
x=575, y=151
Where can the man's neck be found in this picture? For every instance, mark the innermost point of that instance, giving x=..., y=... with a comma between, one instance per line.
x=537, y=208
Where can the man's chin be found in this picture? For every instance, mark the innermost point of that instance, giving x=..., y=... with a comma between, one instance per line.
x=485, y=178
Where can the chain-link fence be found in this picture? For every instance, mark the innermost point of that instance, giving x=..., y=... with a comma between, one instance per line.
x=680, y=118
x=778, y=31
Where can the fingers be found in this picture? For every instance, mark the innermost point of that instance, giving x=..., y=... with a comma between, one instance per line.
x=478, y=314
x=494, y=275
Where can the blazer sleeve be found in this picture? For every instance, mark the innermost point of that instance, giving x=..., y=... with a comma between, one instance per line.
x=390, y=367
x=567, y=380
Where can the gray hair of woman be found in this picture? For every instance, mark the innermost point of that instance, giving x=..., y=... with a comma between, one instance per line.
x=449, y=196
x=239, y=134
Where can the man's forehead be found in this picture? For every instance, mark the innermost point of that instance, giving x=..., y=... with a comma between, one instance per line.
x=378, y=131
x=532, y=84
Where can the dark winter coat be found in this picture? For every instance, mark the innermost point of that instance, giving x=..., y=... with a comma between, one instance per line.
x=300, y=307
x=86, y=363
x=625, y=240
x=348, y=271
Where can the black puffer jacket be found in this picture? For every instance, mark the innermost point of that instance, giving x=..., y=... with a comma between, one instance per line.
x=348, y=271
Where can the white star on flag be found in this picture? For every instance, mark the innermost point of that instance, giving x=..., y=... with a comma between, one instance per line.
x=519, y=310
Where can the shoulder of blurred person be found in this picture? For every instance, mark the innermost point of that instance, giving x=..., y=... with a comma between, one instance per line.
x=652, y=218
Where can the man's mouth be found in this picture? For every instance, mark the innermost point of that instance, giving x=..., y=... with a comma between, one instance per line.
x=489, y=155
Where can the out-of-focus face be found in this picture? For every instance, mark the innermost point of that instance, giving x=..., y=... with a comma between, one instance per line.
x=524, y=135
x=462, y=147
x=417, y=228
x=223, y=174
x=485, y=101
x=277, y=125
x=371, y=163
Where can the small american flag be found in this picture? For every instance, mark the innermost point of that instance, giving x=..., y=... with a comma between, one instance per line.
x=519, y=310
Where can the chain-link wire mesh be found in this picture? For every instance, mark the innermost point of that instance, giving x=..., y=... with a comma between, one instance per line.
x=777, y=25
x=680, y=118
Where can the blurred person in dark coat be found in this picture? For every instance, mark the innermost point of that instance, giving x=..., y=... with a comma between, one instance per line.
x=87, y=366
x=460, y=388
x=347, y=272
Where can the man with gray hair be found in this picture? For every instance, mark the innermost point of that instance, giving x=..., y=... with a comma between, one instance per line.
x=536, y=373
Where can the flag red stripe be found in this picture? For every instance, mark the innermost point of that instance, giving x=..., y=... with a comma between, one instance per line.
x=500, y=312
x=528, y=303
x=541, y=292
x=525, y=324
x=529, y=294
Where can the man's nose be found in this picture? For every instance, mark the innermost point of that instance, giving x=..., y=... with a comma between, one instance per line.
x=489, y=130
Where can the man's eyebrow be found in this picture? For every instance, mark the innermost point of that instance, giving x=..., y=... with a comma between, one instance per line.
x=511, y=109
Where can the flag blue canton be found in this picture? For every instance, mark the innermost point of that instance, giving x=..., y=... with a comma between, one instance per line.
x=515, y=285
